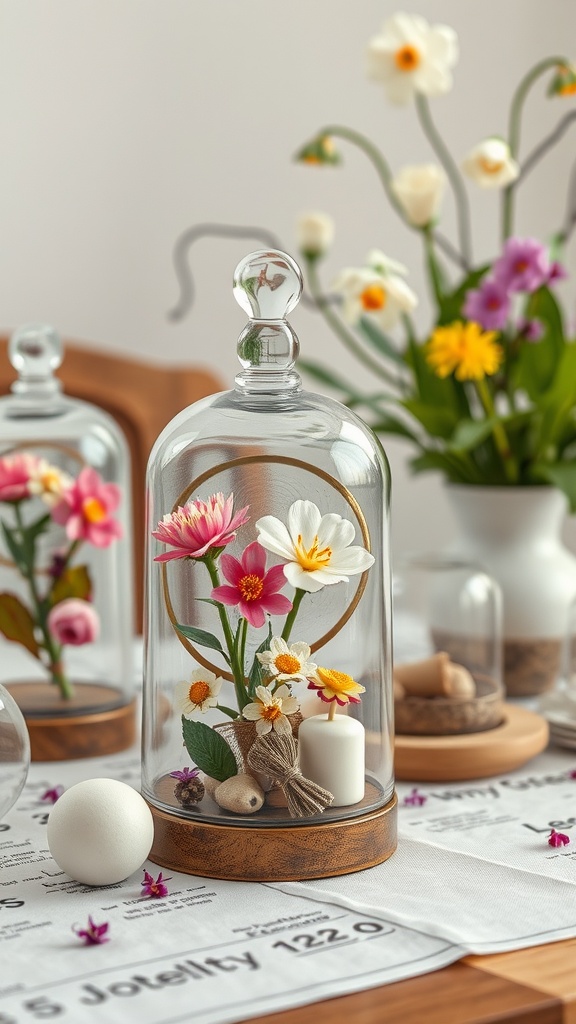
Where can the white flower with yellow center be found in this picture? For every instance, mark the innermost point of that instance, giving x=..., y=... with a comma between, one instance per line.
x=490, y=164
x=287, y=662
x=318, y=549
x=374, y=290
x=419, y=188
x=199, y=694
x=410, y=56
x=269, y=710
x=314, y=234
x=49, y=482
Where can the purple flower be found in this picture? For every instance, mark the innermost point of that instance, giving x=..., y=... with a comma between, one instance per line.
x=52, y=795
x=488, y=305
x=414, y=799
x=558, y=839
x=530, y=330
x=155, y=888
x=185, y=774
x=523, y=266
x=93, y=934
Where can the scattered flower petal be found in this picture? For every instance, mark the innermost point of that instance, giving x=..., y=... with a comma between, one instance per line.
x=185, y=774
x=93, y=934
x=52, y=795
x=154, y=887
x=414, y=799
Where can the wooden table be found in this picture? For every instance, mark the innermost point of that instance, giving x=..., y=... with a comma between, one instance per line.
x=529, y=986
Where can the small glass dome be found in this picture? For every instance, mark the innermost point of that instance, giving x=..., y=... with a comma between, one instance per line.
x=14, y=752
x=267, y=689
x=66, y=608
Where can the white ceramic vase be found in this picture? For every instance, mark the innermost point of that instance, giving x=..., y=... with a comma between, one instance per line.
x=515, y=534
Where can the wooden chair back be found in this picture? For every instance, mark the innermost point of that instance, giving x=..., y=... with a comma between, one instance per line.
x=142, y=397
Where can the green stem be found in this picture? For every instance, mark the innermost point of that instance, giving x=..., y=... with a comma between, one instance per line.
x=432, y=265
x=290, y=618
x=374, y=155
x=447, y=161
x=53, y=650
x=499, y=434
x=235, y=665
x=346, y=336
x=514, y=127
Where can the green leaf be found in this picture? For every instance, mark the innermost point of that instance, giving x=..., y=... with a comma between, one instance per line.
x=437, y=420
x=451, y=306
x=390, y=425
x=332, y=380
x=14, y=547
x=537, y=362
x=456, y=467
x=562, y=475
x=209, y=750
x=17, y=624
x=380, y=341
x=470, y=433
x=74, y=582
x=201, y=637
x=557, y=403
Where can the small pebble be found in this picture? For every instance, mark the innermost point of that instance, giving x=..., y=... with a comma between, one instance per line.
x=240, y=794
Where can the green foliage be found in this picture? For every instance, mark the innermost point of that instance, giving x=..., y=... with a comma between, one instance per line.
x=208, y=750
x=17, y=624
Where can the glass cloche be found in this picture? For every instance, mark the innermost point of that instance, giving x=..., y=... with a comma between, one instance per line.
x=267, y=709
x=66, y=607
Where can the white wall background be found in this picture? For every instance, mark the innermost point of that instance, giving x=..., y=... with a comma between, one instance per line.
x=122, y=122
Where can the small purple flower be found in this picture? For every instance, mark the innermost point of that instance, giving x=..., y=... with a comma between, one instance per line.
x=530, y=330
x=488, y=305
x=57, y=565
x=558, y=838
x=523, y=265
x=414, y=799
x=557, y=272
x=52, y=795
x=572, y=773
x=155, y=888
x=185, y=774
x=93, y=934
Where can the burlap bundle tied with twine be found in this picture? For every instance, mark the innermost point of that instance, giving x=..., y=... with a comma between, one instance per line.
x=276, y=754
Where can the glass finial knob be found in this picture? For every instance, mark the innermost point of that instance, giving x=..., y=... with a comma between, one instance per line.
x=267, y=284
x=35, y=351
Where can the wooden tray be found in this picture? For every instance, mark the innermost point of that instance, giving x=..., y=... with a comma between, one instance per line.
x=522, y=735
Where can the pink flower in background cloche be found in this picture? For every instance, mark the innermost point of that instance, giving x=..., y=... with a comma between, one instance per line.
x=15, y=474
x=199, y=526
x=74, y=622
x=254, y=590
x=87, y=508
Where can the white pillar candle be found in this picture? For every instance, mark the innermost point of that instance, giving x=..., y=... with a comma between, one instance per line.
x=331, y=753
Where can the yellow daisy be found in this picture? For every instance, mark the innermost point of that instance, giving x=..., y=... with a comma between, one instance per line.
x=465, y=350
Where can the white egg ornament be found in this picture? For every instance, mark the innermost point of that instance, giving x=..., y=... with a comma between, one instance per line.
x=100, y=831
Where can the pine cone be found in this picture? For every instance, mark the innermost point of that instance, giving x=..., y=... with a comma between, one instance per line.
x=189, y=792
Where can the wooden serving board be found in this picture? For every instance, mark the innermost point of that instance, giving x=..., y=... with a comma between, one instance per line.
x=479, y=755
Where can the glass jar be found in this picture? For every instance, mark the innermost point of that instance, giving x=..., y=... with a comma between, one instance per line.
x=14, y=752
x=66, y=607
x=267, y=684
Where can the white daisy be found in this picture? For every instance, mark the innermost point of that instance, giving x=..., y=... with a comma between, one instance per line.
x=49, y=482
x=287, y=662
x=199, y=694
x=269, y=710
x=318, y=549
x=410, y=56
x=490, y=164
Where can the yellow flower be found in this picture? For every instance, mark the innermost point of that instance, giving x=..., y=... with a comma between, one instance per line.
x=335, y=686
x=464, y=348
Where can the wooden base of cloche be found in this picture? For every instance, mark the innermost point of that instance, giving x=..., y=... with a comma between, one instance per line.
x=269, y=852
x=87, y=726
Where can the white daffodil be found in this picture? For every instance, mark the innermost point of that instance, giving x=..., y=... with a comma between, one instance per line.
x=419, y=189
x=385, y=265
x=317, y=548
x=269, y=710
x=49, y=482
x=366, y=290
x=490, y=164
x=410, y=56
x=199, y=694
x=287, y=662
x=314, y=234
